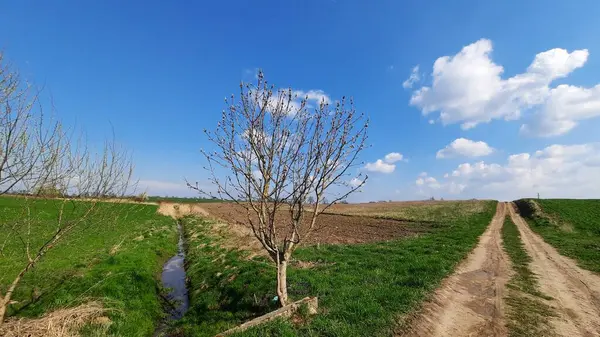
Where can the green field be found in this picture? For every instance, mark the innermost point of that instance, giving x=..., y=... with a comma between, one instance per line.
x=363, y=290
x=114, y=257
x=436, y=212
x=570, y=225
x=527, y=314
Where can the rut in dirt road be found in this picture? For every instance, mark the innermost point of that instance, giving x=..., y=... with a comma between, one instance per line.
x=470, y=301
x=575, y=291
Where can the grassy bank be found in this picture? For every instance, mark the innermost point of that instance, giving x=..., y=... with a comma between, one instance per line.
x=527, y=313
x=570, y=225
x=115, y=257
x=363, y=290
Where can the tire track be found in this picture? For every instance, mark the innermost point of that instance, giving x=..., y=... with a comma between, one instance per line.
x=575, y=291
x=470, y=301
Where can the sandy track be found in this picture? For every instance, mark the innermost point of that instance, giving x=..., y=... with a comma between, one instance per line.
x=469, y=302
x=575, y=291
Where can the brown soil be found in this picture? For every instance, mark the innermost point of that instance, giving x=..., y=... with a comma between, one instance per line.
x=469, y=302
x=575, y=291
x=330, y=228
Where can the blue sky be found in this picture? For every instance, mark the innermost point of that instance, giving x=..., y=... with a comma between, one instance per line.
x=158, y=71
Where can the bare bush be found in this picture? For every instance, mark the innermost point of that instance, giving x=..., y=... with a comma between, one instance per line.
x=275, y=153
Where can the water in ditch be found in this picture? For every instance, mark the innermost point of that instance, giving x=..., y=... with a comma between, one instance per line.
x=173, y=278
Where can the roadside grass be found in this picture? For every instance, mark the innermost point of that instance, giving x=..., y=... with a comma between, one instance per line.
x=114, y=257
x=572, y=226
x=363, y=290
x=527, y=313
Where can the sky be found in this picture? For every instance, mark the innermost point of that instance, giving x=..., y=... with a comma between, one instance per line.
x=466, y=99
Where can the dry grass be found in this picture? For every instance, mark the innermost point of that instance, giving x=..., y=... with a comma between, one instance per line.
x=176, y=210
x=59, y=323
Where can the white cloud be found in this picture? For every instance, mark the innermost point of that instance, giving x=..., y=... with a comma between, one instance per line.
x=463, y=147
x=425, y=182
x=565, y=106
x=393, y=157
x=555, y=171
x=279, y=100
x=380, y=166
x=385, y=165
x=355, y=182
x=468, y=89
x=412, y=79
x=314, y=96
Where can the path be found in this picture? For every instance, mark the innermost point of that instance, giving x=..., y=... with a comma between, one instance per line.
x=575, y=291
x=469, y=302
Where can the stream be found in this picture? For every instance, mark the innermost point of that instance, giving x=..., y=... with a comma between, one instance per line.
x=173, y=277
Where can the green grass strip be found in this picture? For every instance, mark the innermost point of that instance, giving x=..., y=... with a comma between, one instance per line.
x=527, y=313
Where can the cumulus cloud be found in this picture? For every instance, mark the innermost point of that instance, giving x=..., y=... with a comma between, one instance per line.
x=566, y=105
x=468, y=89
x=463, y=147
x=393, y=157
x=380, y=166
x=412, y=79
x=555, y=171
x=385, y=165
x=425, y=182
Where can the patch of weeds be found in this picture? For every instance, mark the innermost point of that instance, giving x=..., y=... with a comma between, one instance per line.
x=527, y=313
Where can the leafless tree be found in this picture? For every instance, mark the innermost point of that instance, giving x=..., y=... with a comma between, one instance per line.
x=28, y=138
x=274, y=152
x=36, y=156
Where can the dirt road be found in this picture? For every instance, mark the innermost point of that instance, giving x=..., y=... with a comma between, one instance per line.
x=469, y=302
x=575, y=291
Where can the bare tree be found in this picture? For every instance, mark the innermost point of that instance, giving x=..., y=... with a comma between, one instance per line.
x=28, y=138
x=277, y=151
x=36, y=155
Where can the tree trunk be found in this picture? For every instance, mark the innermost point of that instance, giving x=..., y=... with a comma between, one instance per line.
x=3, y=306
x=282, y=282
x=6, y=300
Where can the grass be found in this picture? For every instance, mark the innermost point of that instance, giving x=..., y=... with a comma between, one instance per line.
x=527, y=313
x=363, y=290
x=570, y=225
x=115, y=256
